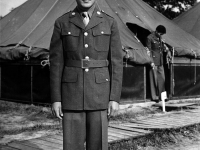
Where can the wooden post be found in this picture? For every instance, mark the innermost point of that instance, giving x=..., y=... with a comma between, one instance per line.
x=31, y=84
x=0, y=81
x=145, y=84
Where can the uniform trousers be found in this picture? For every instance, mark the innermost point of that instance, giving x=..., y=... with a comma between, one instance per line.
x=157, y=82
x=80, y=127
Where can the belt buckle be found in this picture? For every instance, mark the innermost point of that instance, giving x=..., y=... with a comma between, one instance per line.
x=85, y=63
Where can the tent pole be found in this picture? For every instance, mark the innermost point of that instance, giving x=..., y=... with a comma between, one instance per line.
x=0, y=81
x=31, y=84
x=145, y=97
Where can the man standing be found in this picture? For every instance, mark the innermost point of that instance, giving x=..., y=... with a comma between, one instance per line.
x=86, y=68
x=157, y=74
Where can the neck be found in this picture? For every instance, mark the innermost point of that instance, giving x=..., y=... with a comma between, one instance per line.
x=83, y=9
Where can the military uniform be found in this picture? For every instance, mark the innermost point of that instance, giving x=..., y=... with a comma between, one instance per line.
x=85, y=74
x=157, y=75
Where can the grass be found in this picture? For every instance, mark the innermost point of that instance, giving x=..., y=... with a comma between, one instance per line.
x=158, y=139
x=37, y=116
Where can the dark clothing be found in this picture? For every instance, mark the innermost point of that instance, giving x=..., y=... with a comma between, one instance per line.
x=157, y=82
x=156, y=48
x=157, y=75
x=77, y=124
x=85, y=91
x=99, y=40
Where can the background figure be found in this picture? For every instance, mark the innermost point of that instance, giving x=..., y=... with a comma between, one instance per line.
x=156, y=73
x=86, y=66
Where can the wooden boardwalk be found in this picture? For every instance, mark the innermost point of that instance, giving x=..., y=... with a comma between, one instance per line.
x=133, y=129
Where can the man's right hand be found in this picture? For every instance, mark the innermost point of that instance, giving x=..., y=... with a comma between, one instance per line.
x=57, y=110
x=152, y=65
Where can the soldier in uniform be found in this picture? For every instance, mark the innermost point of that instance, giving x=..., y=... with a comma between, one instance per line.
x=157, y=74
x=86, y=68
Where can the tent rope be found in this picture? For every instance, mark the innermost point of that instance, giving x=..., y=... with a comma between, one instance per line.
x=27, y=57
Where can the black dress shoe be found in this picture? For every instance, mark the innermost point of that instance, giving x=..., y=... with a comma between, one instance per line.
x=166, y=100
x=155, y=100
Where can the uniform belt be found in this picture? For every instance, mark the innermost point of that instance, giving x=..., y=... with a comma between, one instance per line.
x=86, y=63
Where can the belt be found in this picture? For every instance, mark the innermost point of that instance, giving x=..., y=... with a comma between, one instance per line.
x=86, y=63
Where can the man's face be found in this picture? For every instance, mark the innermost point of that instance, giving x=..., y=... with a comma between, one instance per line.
x=85, y=4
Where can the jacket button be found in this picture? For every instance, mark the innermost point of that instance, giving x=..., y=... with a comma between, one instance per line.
x=86, y=57
x=86, y=34
x=69, y=32
x=86, y=45
x=102, y=32
x=86, y=70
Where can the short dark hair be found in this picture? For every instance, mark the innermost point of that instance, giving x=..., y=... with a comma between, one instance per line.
x=161, y=29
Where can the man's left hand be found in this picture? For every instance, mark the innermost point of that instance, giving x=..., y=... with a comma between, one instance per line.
x=113, y=108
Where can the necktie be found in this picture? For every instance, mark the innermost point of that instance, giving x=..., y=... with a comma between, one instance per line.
x=86, y=18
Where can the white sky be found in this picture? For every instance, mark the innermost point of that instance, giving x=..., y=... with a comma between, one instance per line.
x=7, y=5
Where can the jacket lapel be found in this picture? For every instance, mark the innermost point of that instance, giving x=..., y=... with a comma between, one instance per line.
x=76, y=19
x=97, y=18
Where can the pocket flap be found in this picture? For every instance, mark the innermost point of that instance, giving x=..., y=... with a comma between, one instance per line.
x=101, y=77
x=97, y=32
x=71, y=32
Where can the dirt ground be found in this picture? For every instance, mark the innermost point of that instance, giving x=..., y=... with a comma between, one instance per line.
x=18, y=125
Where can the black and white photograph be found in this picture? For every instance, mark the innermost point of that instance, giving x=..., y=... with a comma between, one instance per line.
x=99, y=74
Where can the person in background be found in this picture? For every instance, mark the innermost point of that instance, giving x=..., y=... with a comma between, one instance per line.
x=157, y=75
x=86, y=67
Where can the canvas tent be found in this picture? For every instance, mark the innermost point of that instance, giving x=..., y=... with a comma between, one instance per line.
x=31, y=25
x=190, y=21
x=26, y=33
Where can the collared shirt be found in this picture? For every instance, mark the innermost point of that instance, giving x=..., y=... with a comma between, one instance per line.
x=90, y=11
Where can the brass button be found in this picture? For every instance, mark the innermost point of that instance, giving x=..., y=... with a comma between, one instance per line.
x=86, y=45
x=86, y=34
x=86, y=70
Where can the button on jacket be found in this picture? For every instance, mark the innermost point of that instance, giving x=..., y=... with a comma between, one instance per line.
x=156, y=47
x=92, y=88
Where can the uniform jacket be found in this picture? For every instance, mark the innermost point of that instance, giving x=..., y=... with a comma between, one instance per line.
x=156, y=47
x=99, y=40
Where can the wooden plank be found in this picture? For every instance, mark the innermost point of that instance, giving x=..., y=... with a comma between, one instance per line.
x=174, y=105
x=164, y=121
x=132, y=134
x=130, y=129
x=21, y=146
x=133, y=125
x=111, y=138
x=4, y=147
x=120, y=136
x=39, y=146
x=49, y=139
x=58, y=137
x=46, y=143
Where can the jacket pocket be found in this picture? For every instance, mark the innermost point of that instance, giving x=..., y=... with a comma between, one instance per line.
x=70, y=39
x=102, y=77
x=101, y=39
x=69, y=75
